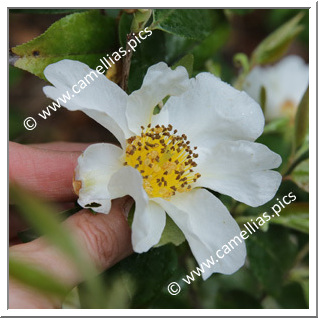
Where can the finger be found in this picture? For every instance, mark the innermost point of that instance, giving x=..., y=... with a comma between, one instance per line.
x=18, y=223
x=47, y=173
x=62, y=146
x=106, y=239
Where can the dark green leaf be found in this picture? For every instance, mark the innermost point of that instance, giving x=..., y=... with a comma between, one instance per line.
x=236, y=299
x=271, y=254
x=302, y=121
x=276, y=44
x=148, y=52
x=147, y=274
x=189, y=23
x=292, y=297
x=85, y=37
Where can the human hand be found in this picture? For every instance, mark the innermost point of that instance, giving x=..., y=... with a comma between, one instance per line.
x=47, y=170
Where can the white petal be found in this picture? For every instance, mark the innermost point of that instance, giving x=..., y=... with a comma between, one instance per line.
x=207, y=226
x=285, y=81
x=149, y=218
x=211, y=111
x=240, y=169
x=95, y=167
x=159, y=82
x=102, y=99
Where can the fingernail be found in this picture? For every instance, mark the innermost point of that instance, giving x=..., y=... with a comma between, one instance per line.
x=127, y=206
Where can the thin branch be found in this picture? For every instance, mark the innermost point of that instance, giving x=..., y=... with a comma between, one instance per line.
x=126, y=64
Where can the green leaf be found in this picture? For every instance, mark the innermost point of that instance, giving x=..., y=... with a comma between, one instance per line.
x=271, y=254
x=149, y=272
x=189, y=23
x=278, y=125
x=300, y=175
x=187, y=62
x=148, y=52
x=294, y=216
x=276, y=44
x=85, y=37
x=33, y=277
x=292, y=297
x=171, y=234
x=302, y=121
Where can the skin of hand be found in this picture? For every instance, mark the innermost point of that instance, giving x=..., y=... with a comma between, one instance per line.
x=47, y=171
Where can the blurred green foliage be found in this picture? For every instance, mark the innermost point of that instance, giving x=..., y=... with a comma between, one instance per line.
x=276, y=271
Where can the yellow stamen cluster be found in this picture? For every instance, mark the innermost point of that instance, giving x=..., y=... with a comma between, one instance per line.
x=164, y=159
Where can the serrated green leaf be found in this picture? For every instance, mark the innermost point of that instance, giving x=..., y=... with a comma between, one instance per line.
x=189, y=23
x=302, y=121
x=36, y=278
x=300, y=175
x=149, y=272
x=276, y=44
x=187, y=62
x=85, y=37
x=271, y=255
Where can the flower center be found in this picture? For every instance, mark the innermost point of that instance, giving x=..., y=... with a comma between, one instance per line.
x=164, y=159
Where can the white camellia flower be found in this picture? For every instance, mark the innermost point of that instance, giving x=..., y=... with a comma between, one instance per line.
x=285, y=84
x=202, y=138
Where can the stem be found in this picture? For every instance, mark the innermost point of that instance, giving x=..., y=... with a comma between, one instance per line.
x=126, y=64
x=295, y=163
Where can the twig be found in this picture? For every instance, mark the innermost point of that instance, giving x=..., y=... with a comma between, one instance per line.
x=126, y=64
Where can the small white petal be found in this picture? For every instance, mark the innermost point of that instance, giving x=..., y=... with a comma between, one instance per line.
x=102, y=99
x=211, y=111
x=207, y=226
x=95, y=167
x=284, y=82
x=240, y=169
x=159, y=82
x=149, y=218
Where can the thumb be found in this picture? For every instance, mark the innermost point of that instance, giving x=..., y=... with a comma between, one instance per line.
x=105, y=239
